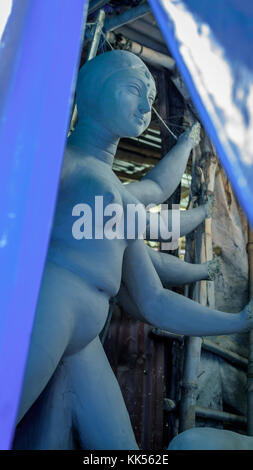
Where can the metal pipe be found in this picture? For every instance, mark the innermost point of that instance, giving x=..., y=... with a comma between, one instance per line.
x=125, y=18
x=219, y=415
x=250, y=358
x=150, y=56
x=147, y=41
x=96, y=4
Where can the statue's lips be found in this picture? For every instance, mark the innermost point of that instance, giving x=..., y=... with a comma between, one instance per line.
x=139, y=118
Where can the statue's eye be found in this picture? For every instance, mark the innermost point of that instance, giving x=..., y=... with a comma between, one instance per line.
x=134, y=89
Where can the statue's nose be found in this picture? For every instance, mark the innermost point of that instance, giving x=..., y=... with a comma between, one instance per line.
x=145, y=106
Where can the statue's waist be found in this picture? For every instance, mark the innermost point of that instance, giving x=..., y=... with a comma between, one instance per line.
x=96, y=271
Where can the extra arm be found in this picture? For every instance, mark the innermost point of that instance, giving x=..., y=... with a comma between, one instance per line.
x=162, y=180
x=170, y=311
x=172, y=271
x=126, y=302
x=189, y=220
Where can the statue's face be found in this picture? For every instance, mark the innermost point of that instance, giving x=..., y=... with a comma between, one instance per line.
x=126, y=102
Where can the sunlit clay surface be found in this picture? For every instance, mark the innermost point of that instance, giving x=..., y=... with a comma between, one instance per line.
x=5, y=10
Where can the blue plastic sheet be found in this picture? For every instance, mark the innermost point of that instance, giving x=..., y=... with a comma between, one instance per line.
x=212, y=45
x=39, y=55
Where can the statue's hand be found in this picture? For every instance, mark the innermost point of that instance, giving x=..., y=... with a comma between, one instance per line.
x=213, y=269
x=247, y=316
x=208, y=206
x=192, y=134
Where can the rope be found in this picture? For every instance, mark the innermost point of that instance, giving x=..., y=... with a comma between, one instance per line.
x=108, y=42
x=164, y=123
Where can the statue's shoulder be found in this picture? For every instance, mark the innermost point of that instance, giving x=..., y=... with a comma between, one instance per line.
x=86, y=177
x=75, y=167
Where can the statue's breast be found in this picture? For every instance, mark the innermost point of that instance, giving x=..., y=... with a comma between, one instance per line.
x=82, y=237
x=88, y=192
x=134, y=216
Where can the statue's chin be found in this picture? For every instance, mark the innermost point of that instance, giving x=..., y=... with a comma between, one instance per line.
x=134, y=132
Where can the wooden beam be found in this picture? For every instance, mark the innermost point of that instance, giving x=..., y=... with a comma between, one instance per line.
x=125, y=177
x=137, y=147
x=133, y=157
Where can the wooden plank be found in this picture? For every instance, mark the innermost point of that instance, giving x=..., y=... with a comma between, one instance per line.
x=132, y=156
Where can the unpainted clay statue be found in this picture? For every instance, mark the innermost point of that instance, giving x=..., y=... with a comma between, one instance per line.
x=211, y=439
x=70, y=395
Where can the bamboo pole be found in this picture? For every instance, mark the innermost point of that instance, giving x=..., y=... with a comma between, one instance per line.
x=208, y=413
x=96, y=35
x=221, y=416
x=204, y=294
x=229, y=356
x=192, y=356
x=97, y=32
x=250, y=358
x=190, y=383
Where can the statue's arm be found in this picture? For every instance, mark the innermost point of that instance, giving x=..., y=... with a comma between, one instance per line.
x=189, y=220
x=126, y=302
x=173, y=271
x=162, y=180
x=170, y=311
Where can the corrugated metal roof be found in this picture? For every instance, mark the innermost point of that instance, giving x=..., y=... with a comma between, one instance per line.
x=146, y=32
x=137, y=359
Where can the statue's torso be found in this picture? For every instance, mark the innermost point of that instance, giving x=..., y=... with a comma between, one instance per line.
x=96, y=263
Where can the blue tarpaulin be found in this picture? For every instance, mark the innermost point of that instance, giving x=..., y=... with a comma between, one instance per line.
x=39, y=53
x=212, y=45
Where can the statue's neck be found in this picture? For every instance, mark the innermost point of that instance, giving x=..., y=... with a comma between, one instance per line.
x=92, y=139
